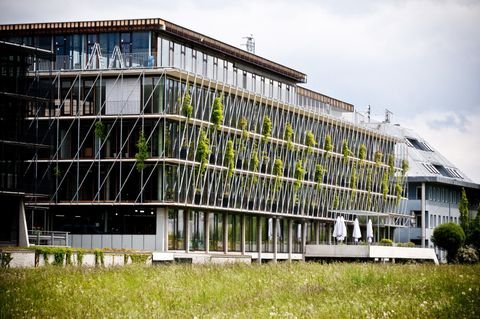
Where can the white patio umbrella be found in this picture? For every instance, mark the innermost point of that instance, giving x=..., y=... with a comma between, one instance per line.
x=342, y=234
x=336, y=227
x=356, y=230
x=369, y=231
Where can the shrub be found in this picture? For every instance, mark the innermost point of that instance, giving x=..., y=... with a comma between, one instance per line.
x=378, y=157
x=243, y=126
x=267, y=128
x=362, y=153
x=386, y=242
x=345, y=150
x=230, y=157
x=299, y=174
x=142, y=153
x=288, y=136
x=391, y=164
x=449, y=237
x=467, y=255
x=405, y=166
x=100, y=130
x=328, y=144
x=277, y=171
x=217, y=112
x=187, y=104
x=319, y=171
x=203, y=151
x=310, y=141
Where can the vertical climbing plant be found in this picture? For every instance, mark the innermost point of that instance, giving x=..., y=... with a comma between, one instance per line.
x=187, y=104
x=310, y=141
x=230, y=158
x=328, y=144
x=266, y=128
x=288, y=136
x=203, y=150
x=277, y=171
x=319, y=171
x=142, y=152
x=217, y=112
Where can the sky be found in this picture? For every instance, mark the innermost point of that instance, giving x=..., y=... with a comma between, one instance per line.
x=420, y=59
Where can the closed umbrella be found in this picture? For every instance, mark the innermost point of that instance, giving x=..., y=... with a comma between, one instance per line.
x=369, y=231
x=342, y=233
x=336, y=228
x=356, y=230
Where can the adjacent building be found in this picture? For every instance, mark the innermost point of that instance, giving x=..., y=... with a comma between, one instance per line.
x=164, y=139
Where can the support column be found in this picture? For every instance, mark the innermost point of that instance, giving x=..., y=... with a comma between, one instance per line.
x=225, y=233
x=422, y=223
x=329, y=233
x=275, y=239
x=187, y=231
x=207, y=232
x=161, y=236
x=22, y=226
x=304, y=236
x=242, y=233
x=290, y=239
x=317, y=232
x=259, y=239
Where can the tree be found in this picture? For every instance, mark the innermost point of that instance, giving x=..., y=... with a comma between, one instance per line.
x=142, y=153
x=463, y=210
x=217, y=112
x=449, y=237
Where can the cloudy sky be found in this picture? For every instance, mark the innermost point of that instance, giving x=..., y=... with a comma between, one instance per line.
x=420, y=59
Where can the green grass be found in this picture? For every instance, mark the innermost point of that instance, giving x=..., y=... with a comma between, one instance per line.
x=298, y=290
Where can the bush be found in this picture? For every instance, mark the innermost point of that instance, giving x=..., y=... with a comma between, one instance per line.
x=449, y=237
x=467, y=255
x=386, y=242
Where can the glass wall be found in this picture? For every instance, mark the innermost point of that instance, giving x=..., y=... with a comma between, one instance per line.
x=176, y=229
x=197, y=230
x=216, y=231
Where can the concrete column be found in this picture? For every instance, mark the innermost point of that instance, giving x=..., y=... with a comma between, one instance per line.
x=304, y=236
x=290, y=239
x=275, y=239
x=329, y=234
x=259, y=240
x=422, y=223
x=317, y=232
x=225, y=233
x=187, y=230
x=242, y=233
x=22, y=226
x=161, y=236
x=207, y=232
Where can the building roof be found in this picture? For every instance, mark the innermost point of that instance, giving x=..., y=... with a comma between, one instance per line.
x=158, y=25
x=426, y=164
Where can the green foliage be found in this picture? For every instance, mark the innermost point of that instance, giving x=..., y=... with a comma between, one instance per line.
x=243, y=126
x=142, y=153
x=353, y=178
x=328, y=146
x=266, y=128
x=319, y=172
x=449, y=237
x=203, y=151
x=5, y=259
x=385, y=186
x=378, y=157
x=463, y=210
x=405, y=166
x=230, y=158
x=288, y=136
x=345, y=150
x=398, y=190
x=409, y=244
x=187, y=104
x=362, y=153
x=310, y=141
x=467, y=255
x=336, y=202
x=56, y=171
x=386, y=242
x=139, y=258
x=254, y=162
x=99, y=257
x=100, y=130
x=391, y=164
x=80, y=254
x=217, y=112
x=277, y=171
x=299, y=175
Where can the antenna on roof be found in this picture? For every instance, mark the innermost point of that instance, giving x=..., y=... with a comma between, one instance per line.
x=369, y=112
x=250, y=43
x=388, y=115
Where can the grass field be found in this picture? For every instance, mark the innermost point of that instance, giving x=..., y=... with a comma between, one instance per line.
x=298, y=290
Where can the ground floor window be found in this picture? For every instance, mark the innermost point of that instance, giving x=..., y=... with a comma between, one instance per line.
x=176, y=238
x=216, y=231
x=196, y=227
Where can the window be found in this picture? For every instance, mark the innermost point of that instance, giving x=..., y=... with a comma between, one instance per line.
x=419, y=145
x=431, y=168
x=419, y=192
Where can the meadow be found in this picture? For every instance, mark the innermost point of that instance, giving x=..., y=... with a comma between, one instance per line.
x=297, y=290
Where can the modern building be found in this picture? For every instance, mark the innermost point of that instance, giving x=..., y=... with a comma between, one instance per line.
x=164, y=139
x=434, y=188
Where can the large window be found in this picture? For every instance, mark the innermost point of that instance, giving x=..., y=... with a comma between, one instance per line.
x=216, y=231
x=197, y=230
x=176, y=229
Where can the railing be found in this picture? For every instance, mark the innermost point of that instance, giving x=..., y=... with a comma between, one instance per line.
x=48, y=238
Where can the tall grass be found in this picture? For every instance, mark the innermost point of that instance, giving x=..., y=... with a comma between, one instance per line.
x=298, y=290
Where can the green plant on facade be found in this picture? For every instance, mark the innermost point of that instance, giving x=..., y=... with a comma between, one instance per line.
x=391, y=164
x=187, y=104
x=386, y=242
x=266, y=128
x=328, y=146
x=243, y=126
x=369, y=186
x=405, y=166
x=142, y=152
x=310, y=141
x=398, y=190
x=56, y=171
x=254, y=162
x=299, y=175
x=277, y=171
x=353, y=178
x=336, y=202
x=288, y=136
x=385, y=186
x=319, y=172
x=230, y=158
x=362, y=153
x=463, y=210
x=378, y=157
x=100, y=130
x=203, y=151
x=217, y=112
x=99, y=257
x=345, y=150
